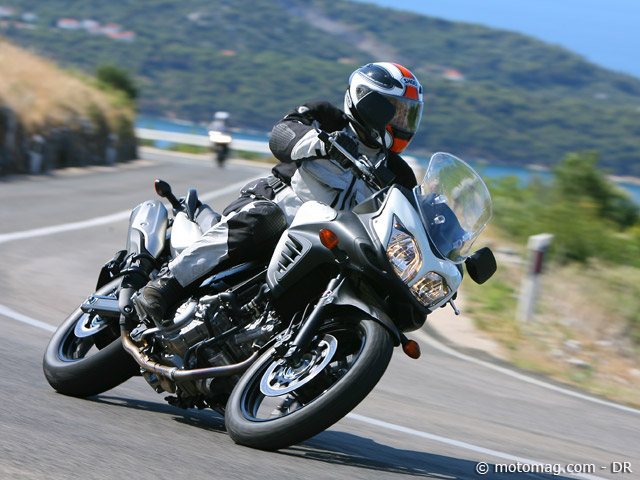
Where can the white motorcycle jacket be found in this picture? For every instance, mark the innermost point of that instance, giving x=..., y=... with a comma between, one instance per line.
x=305, y=166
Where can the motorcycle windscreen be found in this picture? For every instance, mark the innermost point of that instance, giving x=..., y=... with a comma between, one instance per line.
x=455, y=205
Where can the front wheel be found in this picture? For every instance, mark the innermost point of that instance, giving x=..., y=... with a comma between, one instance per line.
x=85, y=356
x=275, y=405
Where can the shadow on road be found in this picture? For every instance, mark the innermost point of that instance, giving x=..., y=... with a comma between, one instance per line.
x=205, y=419
x=341, y=448
x=354, y=451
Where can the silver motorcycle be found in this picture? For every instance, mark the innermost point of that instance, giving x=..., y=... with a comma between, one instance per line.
x=287, y=345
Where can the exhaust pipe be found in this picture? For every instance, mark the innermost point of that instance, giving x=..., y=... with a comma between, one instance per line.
x=175, y=374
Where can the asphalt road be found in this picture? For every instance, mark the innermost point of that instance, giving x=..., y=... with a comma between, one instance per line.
x=437, y=417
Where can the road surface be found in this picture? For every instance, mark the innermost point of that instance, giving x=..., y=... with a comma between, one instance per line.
x=444, y=416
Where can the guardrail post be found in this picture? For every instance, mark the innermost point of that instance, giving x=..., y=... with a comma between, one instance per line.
x=36, y=150
x=111, y=150
x=537, y=246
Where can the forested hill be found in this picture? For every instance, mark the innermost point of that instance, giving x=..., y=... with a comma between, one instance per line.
x=490, y=93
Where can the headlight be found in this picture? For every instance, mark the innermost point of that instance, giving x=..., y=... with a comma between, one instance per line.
x=430, y=289
x=403, y=252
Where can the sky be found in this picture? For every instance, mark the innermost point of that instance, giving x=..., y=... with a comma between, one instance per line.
x=606, y=32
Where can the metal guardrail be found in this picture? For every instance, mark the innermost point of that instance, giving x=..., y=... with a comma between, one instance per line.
x=256, y=146
x=201, y=140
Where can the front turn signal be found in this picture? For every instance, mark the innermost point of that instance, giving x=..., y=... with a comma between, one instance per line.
x=328, y=238
x=412, y=349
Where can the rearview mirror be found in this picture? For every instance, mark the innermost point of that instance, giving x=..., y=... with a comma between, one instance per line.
x=481, y=265
x=376, y=111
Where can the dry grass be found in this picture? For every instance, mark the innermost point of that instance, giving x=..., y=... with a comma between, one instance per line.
x=42, y=94
x=580, y=333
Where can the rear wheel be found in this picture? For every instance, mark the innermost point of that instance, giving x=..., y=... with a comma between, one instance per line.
x=275, y=405
x=85, y=356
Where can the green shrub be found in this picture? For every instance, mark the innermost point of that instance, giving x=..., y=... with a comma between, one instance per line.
x=118, y=79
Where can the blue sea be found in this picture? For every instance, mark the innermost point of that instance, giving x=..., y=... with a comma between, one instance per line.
x=486, y=170
x=183, y=126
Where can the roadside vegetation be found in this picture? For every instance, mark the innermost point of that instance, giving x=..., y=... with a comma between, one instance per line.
x=51, y=118
x=586, y=328
x=42, y=94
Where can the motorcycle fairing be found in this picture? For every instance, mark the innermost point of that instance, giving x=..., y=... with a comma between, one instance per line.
x=148, y=228
x=397, y=205
x=301, y=241
x=300, y=257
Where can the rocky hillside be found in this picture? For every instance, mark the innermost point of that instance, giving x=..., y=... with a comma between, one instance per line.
x=51, y=119
x=490, y=94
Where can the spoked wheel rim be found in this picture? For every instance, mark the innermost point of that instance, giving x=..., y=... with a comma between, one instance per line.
x=278, y=390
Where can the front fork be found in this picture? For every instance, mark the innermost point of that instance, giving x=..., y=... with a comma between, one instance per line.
x=135, y=277
x=310, y=327
x=338, y=294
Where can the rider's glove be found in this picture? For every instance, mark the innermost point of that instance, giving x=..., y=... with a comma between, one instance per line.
x=347, y=142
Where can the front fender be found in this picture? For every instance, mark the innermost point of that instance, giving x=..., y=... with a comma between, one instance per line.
x=345, y=296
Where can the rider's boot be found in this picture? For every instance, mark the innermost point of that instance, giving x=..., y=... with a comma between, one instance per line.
x=155, y=297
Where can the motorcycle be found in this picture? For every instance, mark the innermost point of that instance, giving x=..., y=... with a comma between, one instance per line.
x=220, y=142
x=283, y=346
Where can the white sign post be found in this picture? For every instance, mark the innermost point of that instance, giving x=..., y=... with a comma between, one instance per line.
x=537, y=247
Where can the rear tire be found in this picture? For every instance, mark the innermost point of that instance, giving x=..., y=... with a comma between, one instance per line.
x=82, y=366
x=363, y=352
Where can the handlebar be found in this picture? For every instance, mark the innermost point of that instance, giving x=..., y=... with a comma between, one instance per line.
x=361, y=166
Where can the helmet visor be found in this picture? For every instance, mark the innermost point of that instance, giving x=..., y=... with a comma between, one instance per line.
x=408, y=113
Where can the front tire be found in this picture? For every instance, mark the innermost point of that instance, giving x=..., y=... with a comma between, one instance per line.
x=307, y=406
x=85, y=356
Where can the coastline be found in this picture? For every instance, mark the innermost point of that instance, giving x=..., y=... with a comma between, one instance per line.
x=624, y=179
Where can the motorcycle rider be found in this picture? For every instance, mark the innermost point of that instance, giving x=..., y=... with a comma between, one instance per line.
x=308, y=170
x=219, y=122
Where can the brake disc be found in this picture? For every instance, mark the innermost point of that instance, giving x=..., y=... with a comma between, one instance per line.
x=281, y=378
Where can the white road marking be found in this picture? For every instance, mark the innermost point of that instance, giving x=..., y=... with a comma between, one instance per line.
x=456, y=443
x=94, y=222
x=65, y=227
x=524, y=378
x=9, y=313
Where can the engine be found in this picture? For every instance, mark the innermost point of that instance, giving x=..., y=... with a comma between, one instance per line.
x=213, y=331
x=191, y=325
x=208, y=332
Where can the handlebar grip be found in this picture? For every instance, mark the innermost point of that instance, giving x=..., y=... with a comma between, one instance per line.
x=353, y=162
x=329, y=141
x=324, y=136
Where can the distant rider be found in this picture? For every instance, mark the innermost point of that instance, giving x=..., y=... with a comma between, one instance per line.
x=308, y=170
x=220, y=122
x=219, y=136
